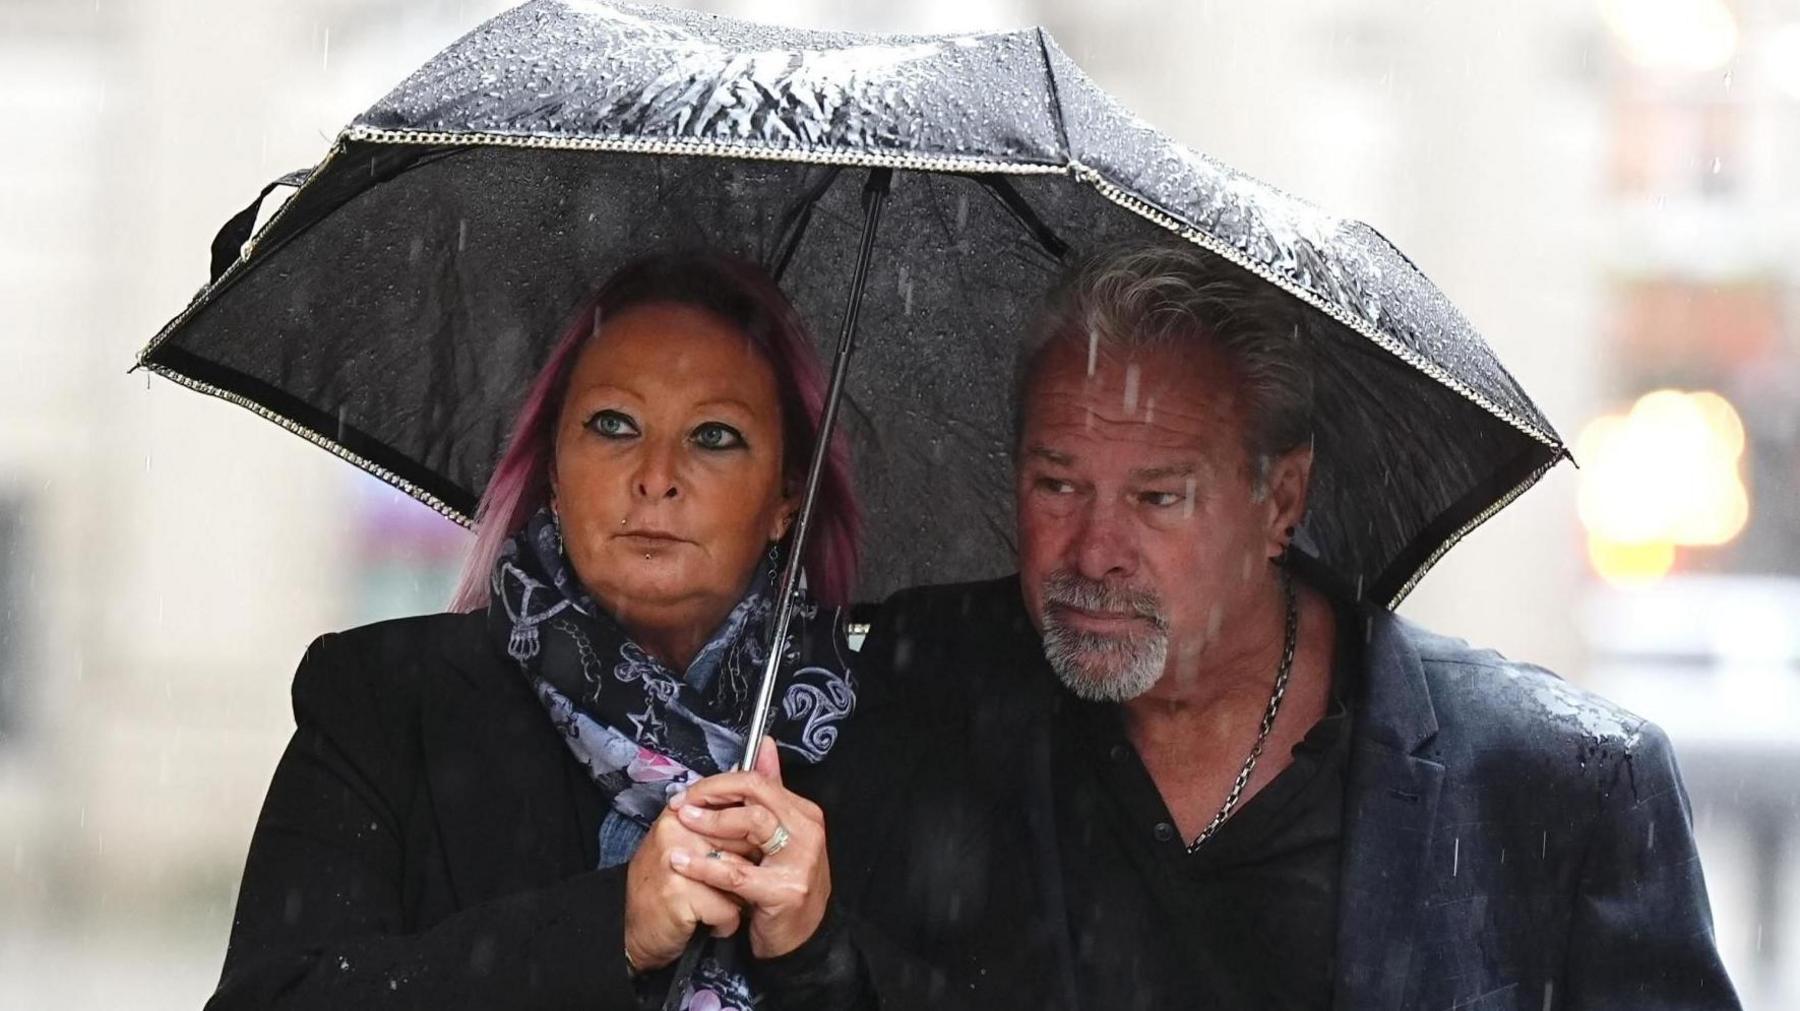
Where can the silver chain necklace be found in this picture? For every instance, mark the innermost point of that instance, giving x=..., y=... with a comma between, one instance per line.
x=1268, y=720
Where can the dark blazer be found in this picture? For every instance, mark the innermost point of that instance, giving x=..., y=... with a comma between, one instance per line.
x=429, y=842
x=1509, y=842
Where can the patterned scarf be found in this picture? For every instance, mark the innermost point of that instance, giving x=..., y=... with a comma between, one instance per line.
x=643, y=731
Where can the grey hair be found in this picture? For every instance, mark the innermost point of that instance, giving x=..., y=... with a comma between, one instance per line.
x=1141, y=296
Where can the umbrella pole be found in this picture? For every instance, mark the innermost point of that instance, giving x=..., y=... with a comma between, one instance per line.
x=875, y=193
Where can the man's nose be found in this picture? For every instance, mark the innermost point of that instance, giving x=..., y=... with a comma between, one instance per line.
x=655, y=477
x=1103, y=547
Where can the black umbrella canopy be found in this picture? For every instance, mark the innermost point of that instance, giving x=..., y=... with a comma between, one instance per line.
x=396, y=307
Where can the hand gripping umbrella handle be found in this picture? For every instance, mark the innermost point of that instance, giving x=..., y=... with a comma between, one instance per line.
x=874, y=195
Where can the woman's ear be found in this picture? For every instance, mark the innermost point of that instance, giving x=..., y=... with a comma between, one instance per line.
x=784, y=517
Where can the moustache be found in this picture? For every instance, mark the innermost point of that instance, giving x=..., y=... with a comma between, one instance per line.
x=1070, y=590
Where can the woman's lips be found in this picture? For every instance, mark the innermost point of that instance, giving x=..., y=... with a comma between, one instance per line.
x=651, y=537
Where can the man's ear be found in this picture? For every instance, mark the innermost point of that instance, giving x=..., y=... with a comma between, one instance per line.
x=1286, y=483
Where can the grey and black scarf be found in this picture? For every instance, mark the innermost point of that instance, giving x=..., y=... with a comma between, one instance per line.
x=643, y=731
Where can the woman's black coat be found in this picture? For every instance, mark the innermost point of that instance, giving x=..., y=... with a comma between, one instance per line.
x=428, y=841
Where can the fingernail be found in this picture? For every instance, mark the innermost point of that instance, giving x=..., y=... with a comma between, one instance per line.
x=678, y=798
x=688, y=813
x=679, y=858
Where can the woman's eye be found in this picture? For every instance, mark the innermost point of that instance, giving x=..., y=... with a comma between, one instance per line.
x=613, y=425
x=714, y=435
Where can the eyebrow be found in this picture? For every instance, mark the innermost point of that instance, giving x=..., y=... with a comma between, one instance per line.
x=1049, y=455
x=710, y=402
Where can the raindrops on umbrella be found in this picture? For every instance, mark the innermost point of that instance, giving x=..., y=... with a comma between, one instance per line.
x=572, y=136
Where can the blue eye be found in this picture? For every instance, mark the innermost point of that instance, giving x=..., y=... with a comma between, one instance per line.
x=714, y=435
x=612, y=425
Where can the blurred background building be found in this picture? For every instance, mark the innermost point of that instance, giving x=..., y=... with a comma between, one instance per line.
x=1609, y=188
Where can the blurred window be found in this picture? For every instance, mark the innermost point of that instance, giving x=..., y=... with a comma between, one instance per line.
x=15, y=622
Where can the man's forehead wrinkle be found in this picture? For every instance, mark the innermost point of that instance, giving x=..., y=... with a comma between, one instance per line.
x=1054, y=411
x=1186, y=468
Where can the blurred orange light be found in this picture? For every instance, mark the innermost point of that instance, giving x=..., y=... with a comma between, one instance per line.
x=1665, y=474
x=1625, y=564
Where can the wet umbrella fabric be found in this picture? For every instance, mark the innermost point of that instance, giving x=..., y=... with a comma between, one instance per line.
x=397, y=304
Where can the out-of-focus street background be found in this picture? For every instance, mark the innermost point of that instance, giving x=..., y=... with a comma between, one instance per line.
x=1609, y=188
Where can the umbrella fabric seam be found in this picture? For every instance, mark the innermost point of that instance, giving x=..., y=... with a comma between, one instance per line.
x=1199, y=237
x=315, y=437
x=1062, y=127
x=916, y=163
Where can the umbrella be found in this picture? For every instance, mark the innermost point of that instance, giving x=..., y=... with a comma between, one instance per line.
x=395, y=306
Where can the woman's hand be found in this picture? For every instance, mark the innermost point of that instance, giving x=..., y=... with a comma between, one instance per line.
x=742, y=814
x=664, y=908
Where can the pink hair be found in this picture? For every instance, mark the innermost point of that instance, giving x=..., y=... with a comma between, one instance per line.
x=736, y=290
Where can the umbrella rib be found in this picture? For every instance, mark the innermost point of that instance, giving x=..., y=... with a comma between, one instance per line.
x=794, y=222
x=1022, y=211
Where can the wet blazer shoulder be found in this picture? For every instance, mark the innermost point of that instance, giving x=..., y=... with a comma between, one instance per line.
x=1504, y=722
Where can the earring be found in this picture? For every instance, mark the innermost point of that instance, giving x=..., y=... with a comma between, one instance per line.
x=775, y=555
x=556, y=524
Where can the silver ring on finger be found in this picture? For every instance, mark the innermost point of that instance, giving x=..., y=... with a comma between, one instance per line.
x=778, y=841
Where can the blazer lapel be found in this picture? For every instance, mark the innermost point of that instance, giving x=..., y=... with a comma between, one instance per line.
x=1390, y=811
x=509, y=818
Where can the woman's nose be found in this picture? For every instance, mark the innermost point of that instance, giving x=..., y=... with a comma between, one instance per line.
x=655, y=478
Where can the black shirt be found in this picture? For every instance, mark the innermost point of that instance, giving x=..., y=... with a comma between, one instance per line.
x=1248, y=919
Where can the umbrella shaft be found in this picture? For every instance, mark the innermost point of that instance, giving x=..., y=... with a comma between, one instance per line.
x=874, y=193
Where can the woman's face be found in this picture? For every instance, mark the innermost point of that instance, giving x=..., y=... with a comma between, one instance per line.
x=668, y=476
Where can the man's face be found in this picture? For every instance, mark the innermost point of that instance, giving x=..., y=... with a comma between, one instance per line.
x=1140, y=526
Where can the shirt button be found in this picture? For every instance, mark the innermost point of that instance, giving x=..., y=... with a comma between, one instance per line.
x=1118, y=752
x=1164, y=832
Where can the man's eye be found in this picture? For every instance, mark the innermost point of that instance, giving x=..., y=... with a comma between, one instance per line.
x=613, y=425
x=1054, y=486
x=1161, y=499
x=714, y=435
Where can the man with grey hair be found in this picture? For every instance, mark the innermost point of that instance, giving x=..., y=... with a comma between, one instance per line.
x=1164, y=766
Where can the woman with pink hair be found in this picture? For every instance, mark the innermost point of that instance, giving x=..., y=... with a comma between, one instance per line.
x=486, y=807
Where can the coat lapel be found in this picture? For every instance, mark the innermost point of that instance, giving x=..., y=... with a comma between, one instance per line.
x=1390, y=811
x=508, y=816
x=1016, y=726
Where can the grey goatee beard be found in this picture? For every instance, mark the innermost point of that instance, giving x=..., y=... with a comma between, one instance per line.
x=1097, y=667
